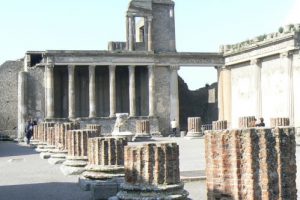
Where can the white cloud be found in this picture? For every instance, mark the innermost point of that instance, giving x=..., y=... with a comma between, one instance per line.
x=294, y=14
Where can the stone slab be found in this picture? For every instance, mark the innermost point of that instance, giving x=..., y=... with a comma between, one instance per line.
x=45, y=155
x=104, y=189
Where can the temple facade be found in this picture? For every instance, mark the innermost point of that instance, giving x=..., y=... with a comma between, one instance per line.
x=261, y=78
x=138, y=76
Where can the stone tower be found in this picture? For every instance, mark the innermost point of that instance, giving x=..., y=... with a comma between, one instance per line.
x=151, y=26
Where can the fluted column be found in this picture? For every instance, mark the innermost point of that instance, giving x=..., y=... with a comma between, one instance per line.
x=151, y=79
x=112, y=90
x=132, y=106
x=92, y=91
x=275, y=122
x=149, y=31
x=219, y=125
x=49, y=90
x=96, y=127
x=256, y=64
x=174, y=101
x=247, y=122
x=71, y=94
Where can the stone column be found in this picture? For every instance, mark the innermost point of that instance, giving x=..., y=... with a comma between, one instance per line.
x=142, y=130
x=174, y=100
x=96, y=127
x=22, y=104
x=44, y=146
x=105, y=167
x=112, y=90
x=49, y=90
x=152, y=170
x=234, y=158
x=151, y=79
x=219, y=125
x=286, y=62
x=275, y=122
x=131, y=32
x=132, y=105
x=71, y=84
x=77, y=151
x=220, y=93
x=194, y=128
x=247, y=122
x=59, y=154
x=256, y=64
x=149, y=31
x=92, y=91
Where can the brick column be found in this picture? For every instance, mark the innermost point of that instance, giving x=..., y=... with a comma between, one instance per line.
x=247, y=122
x=142, y=130
x=279, y=122
x=59, y=154
x=152, y=171
x=43, y=132
x=174, y=99
x=77, y=151
x=219, y=125
x=105, y=158
x=251, y=164
x=194, y=127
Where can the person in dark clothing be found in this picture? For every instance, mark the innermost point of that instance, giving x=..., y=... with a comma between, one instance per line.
x=261, y=123
x=29, y=130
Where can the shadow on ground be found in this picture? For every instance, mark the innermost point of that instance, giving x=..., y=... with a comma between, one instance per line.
x=14, y=149
x=45, y=191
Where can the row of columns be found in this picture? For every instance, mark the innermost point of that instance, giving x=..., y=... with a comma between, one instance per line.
x=131, y=32
x=224, y=88
x=49, y=81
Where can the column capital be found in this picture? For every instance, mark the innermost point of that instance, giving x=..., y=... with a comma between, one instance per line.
x=131, y=68
x=255, y=61
x=71, y=67
x=174, y=67
x=285, y=54
x=112, y=67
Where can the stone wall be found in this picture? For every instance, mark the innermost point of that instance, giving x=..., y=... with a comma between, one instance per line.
x=196, y=104
x=9, y=97
x=251, y=164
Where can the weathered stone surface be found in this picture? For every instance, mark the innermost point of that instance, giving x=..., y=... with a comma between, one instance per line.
x=219, y=125
x=251, y=164
x=247, y=122
x=142, y=130
x=194, y=127
x=94, y=127
x=152, y=171
x=279, y=122
x=77, y=151
x=105, y=161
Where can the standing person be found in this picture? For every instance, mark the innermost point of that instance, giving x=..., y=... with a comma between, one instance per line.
x=261, y=123
x=29, y=130
x=174, y=127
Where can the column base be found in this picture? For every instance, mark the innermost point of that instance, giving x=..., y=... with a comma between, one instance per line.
x=105, y=189
x=34, y=143
x=152, y=192
x=40, y=147
x=57, y=157
x=74, y=165
x=141, y=137
x=193, y=135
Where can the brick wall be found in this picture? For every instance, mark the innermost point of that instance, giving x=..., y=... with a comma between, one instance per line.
x=251, y=164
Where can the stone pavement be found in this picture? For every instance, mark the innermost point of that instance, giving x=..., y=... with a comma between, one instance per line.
x=23, y=175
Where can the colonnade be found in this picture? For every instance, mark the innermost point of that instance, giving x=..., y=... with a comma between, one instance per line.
x=49, y=85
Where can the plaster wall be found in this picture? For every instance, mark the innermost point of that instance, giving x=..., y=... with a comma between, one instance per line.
x=275, y=89
x=296, y=80
x=244, y=92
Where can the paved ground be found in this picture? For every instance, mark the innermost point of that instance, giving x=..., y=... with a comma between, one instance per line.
x=23, y=175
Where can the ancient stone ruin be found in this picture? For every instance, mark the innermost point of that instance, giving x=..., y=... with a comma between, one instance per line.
x=219, y=125
x=77, y=157
x=152, y=171
x=142, y=130
x=279, y=122
x=247, y=122
x=194, y=127
x=251, y=164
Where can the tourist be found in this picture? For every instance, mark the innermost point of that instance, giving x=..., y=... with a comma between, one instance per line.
x=260, y=123
x=29, y=130
x=174, y=127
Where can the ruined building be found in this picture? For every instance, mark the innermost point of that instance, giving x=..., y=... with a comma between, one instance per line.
x=138, y=76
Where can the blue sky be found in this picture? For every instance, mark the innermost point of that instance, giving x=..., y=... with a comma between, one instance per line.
x=201, y=26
